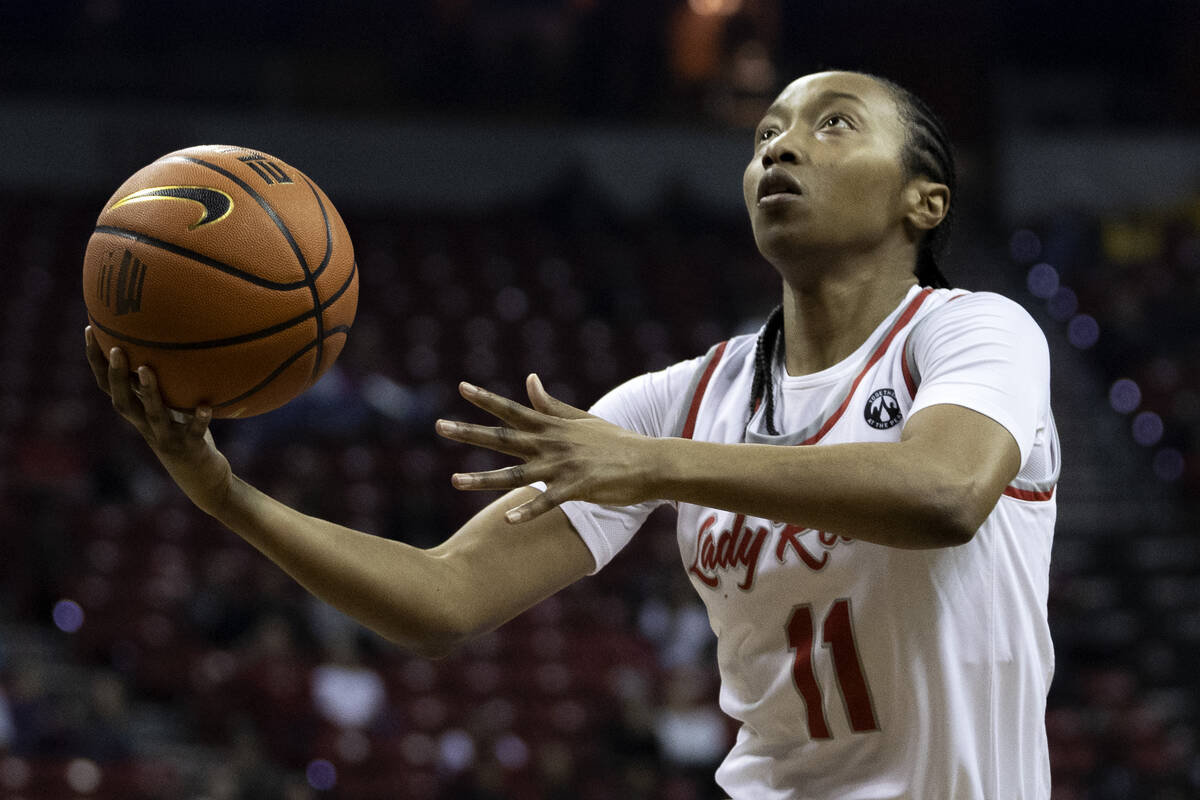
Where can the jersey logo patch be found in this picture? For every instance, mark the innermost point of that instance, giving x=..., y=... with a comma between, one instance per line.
x=883, y=410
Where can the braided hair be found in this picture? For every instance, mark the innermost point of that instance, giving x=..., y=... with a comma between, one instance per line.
x=926, y=152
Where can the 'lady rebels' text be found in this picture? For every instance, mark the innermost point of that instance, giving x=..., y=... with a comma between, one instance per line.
x=741, y=545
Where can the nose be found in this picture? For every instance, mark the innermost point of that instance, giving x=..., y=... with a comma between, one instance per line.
x=780, y=151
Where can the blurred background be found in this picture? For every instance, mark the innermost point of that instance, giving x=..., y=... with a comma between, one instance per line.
x=553, y=185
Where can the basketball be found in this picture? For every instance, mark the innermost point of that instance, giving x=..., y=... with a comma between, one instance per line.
x=227, y=271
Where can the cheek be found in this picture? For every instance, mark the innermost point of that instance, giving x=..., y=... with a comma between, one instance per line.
x=870, y=188
x=750, y=184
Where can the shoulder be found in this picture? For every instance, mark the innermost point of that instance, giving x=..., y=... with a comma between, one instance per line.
x=682, y=379
x=654, y=403
x=733, y=351
x=956, y=312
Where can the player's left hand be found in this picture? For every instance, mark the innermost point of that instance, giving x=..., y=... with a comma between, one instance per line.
x=578, y=455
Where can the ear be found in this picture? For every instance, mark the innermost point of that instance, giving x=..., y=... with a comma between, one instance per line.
x=928, y=203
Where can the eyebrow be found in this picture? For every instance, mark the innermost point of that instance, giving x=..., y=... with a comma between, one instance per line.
x=779, y=109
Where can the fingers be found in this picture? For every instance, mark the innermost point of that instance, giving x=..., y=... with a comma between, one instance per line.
x=532, y=509
x=501, y=439
x=198, y=425
x=120, y=389
x=543, y=402
x=512, y=412
x=512, y=477
x=156, y=415
x=96, y=359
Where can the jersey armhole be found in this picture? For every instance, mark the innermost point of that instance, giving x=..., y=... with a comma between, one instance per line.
x=689, y=410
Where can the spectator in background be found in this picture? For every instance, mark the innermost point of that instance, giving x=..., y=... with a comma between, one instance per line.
x=345, y=692
x=107, y=734
x=8, y=727
x=691, y=733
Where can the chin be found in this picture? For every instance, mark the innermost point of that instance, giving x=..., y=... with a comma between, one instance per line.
x=779, y=245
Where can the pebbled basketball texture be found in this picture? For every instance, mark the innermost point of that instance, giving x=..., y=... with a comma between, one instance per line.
x=226, y=270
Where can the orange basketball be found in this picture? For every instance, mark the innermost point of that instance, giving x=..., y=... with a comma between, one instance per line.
x=228, y=272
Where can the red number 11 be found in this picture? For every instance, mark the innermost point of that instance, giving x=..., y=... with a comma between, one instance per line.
x=838, y=635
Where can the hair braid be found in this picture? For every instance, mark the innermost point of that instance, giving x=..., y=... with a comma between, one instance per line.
x=764, y=383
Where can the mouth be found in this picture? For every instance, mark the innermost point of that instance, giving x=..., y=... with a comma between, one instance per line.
x=776, y=185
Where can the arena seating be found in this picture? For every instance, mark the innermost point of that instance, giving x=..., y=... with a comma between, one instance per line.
x=561, y=702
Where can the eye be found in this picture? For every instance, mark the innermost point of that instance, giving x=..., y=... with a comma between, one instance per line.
x=767, y=133
x=836, y=121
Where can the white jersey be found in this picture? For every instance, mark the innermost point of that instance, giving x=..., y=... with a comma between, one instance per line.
x=858, y=670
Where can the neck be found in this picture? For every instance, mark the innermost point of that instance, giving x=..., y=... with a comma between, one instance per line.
x=826, y=320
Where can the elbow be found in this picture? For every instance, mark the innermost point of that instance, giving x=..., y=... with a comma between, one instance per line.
x=445, y=619
x=434, y=645
x=436, y=648
x=955, y=532
x=957, y=511
x=437, y=637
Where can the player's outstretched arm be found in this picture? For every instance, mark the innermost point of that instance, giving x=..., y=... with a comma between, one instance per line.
x=934, y=488
x=427, y=600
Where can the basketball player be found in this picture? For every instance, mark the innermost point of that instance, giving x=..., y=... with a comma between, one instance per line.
x=865, y=488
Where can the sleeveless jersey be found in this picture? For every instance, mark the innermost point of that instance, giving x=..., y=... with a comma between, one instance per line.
x=859, y=670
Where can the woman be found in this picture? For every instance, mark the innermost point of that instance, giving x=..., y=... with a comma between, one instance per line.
x=879, y=600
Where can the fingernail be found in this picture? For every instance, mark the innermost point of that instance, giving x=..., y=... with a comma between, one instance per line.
x=470, y=388
x=513, y=516
x=114, y=355
x=446, y=426
x=462, y=480
x=143, y=377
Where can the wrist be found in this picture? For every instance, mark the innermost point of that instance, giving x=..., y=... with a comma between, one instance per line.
x=218, y=499
x=206, y=478
x=661, y=471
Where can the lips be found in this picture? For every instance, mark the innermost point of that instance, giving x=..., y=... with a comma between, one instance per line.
x=777, y=181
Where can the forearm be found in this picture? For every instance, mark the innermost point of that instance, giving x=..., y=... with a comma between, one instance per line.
x=399, y=591
x=875, y=492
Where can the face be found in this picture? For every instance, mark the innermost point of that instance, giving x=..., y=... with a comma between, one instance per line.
x=826, y=172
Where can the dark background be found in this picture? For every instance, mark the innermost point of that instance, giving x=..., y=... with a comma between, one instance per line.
x=552, y=186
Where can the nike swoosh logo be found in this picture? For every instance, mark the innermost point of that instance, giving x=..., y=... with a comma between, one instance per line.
x=217, y=205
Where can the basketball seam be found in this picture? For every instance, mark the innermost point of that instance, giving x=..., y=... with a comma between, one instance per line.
x=231, y=340
x=328, y=231
x=220, y=266
x=287, y=362
x=309, y=278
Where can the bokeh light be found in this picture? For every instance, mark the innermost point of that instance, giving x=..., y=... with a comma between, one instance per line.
x=1042, y=281
x=321, y=774
x=511, y=751
x=456, y=750
x=722, y=8
x=14, y=773
x=1063, y=304
x=68, y=616
x=1124, y=396
x=1147, y=428
x=1083, y=331
x=83, y=775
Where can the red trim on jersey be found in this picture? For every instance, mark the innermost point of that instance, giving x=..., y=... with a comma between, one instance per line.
x=909, y=383
x=905, y=318
x=1023, y=494
x=689, y=427
x=908, y=378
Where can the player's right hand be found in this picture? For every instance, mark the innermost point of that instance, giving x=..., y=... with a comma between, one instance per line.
x=183, y=443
